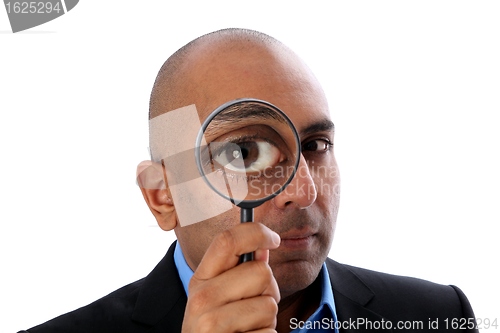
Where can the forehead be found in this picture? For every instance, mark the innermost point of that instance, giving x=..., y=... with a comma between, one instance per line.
x=216, y=74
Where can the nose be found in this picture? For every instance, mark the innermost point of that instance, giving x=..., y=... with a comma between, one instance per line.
x=301, y=191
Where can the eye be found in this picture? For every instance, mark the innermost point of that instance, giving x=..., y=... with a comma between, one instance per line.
x=317, y=145
x=248, y=157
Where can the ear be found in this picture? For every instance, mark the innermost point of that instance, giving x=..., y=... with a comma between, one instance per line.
x=151, y=180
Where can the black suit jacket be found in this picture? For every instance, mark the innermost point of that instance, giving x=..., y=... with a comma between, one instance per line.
x=366, y=301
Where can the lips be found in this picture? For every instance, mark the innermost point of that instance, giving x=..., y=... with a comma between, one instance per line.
x=297, y=239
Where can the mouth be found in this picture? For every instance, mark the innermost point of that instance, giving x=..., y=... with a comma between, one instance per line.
x=297, y=240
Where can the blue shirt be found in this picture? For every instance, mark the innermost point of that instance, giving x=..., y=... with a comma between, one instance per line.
x=322, y=320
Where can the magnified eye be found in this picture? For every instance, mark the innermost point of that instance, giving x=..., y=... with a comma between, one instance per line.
x=247, y=157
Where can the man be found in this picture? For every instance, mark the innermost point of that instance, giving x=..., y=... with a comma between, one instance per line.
x=199, y=285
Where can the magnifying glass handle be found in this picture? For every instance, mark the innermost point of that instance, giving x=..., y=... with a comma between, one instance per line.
x=246, y=215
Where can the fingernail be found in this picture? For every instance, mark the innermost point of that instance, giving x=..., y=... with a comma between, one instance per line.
x=276, y=239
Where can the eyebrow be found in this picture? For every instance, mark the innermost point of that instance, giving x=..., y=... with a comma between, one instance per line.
x=245, y=110
x=233, y=116
x=325, y=125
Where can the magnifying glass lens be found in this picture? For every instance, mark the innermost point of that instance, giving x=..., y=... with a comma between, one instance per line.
x=252, y=152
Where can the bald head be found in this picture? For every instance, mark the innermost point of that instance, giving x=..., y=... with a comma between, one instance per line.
x=169, y=90
x=230, y=64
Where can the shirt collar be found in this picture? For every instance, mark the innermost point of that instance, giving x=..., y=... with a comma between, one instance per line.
x=185, y=272
x=326, y=290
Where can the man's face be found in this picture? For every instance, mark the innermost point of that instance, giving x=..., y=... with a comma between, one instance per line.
x=304, y=214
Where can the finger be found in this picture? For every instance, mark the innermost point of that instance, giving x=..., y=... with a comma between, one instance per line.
x=226, y=248
x=262, y=255
x=253, y=279
x=248, y=315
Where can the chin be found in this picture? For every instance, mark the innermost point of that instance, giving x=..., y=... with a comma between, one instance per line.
x=293, y=276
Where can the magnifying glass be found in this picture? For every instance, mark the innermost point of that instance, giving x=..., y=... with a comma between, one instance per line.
x=252, y=154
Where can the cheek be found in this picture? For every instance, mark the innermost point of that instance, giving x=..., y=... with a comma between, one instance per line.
x=212, y=227
x=196, y=238
x=327, y=181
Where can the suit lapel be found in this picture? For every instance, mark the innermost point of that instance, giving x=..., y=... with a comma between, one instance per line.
x=162, y=300
x=352, y=297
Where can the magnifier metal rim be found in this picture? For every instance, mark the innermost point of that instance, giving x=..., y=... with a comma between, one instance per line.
x=199, y=137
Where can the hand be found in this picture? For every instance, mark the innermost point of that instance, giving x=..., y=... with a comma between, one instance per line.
x=227, y=297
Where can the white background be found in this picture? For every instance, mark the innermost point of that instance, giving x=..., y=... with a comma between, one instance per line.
x=414, y=91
